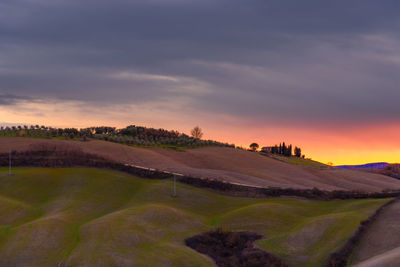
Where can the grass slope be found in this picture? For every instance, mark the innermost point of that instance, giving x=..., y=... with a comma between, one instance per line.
x=100, y=218
x=298, y=161
x=381, y=243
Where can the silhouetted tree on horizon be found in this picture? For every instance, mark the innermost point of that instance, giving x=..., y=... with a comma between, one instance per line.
x=254, y=146
x=285, y=150
x=197, y=132
x=297, y=152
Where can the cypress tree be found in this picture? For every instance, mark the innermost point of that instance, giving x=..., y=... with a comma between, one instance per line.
x=297, y=152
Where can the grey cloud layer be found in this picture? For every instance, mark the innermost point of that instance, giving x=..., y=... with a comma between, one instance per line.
x=9, y=100
x=270, y=60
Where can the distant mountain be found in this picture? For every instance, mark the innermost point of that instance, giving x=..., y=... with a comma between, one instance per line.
x=376, y=165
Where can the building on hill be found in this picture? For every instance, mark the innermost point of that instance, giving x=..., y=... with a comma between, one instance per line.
x=267, y=149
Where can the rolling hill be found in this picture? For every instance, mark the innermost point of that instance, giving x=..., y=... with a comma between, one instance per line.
x=381, y=244
x=91, y=217
x=224, y=163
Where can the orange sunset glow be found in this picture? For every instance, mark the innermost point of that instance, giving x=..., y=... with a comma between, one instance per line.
x=337, y=145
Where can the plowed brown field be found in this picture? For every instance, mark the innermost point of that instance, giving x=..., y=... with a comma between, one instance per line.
x=228, y=164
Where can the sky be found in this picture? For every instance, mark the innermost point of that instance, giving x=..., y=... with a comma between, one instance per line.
x=321, y=75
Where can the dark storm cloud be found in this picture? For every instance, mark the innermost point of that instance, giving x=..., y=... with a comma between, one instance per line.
x=272, y=60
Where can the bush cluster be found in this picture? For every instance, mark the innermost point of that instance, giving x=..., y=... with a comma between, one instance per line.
x=249, y=191
x=392, y=170
x=130, y=135
x=283, y=150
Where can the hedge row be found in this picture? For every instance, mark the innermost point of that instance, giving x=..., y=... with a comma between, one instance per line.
x=257, y=192
x=70, y=158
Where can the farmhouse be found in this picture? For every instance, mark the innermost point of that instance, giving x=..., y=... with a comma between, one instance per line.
x=267, y=149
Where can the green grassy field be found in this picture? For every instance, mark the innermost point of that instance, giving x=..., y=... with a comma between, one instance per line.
x=100, y=218
x=298, y=161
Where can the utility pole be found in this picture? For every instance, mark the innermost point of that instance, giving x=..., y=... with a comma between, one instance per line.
x=9, y=168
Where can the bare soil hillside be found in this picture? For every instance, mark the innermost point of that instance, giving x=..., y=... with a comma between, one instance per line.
x=228, y=164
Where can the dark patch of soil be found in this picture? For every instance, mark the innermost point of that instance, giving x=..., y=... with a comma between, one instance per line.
x=233, y=249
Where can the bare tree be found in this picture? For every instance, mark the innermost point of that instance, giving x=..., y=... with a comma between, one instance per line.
x=197, y=132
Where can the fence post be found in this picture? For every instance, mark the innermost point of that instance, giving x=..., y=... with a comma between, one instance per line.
x=174, y=192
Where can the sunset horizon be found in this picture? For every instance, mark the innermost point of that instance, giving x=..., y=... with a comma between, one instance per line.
x=340, y=150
